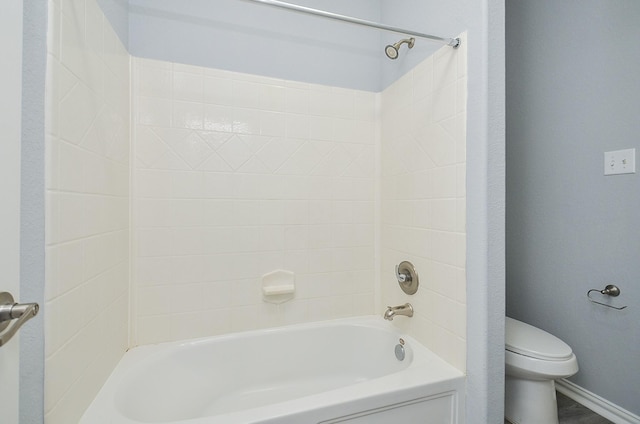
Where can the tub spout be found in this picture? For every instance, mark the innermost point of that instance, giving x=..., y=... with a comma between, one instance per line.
x=392, y=311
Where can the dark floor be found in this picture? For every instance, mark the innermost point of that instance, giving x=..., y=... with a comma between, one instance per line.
x=571, y=412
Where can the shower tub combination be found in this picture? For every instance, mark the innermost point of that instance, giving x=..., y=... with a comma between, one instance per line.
x=358, y=370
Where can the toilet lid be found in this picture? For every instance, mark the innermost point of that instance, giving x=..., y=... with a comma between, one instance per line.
x=531, y=341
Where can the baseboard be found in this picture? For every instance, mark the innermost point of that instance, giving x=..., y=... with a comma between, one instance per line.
x=597, y=404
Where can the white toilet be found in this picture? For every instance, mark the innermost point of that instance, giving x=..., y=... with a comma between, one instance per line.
x=533, y=360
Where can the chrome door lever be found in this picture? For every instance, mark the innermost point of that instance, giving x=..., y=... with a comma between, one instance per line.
x=13, y=315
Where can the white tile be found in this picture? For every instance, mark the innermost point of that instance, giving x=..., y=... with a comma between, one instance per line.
x=246, y=292
x=302, y=161
x=296, y=237
x=153, y=183
x=153, y=329
x=188, y=298
x=188, y=87
x=153, y=111
x=271, y=97
x=235, y=152
x=187, y=185
x=461, y=95
x=187, y=115
x=321, y=103
x=342, y=103
x=187, y=241
x=444, y=102
x=70, y=165
x=245, y=318
x=72, y=38
x=246, y=121
x=218, y=118
x=273, y=123
x=445, y=66
x=155, y=300
x=71, y=217
x=217, y=91
x=77, y=111
x=272, y=238
x=297, y=126
x=153, y=271
x=296, y=100
x=187, y=325
x=246, y=94
x=461, y=54
x=365, y=106
x=321, y=128
x=218, y=186
x=53, y=30
x=149, y=147
x=154, y=242
x=154, y=81
x=188, y=269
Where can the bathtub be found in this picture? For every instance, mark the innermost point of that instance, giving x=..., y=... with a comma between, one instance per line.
x=341, y=371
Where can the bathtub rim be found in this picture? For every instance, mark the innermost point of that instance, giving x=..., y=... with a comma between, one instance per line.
x=443, y=378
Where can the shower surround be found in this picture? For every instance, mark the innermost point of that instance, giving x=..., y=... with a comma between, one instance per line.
x=87, y=164
x=229, y=176
x=238, y=175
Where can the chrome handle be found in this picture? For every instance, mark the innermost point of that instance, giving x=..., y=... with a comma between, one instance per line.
x=402, y=277
x=407, y=277
x=13, y=316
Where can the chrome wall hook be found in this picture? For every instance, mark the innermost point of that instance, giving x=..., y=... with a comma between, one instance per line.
x=609, y=290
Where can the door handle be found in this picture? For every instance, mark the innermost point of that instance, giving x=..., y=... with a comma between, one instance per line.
x=13, y=315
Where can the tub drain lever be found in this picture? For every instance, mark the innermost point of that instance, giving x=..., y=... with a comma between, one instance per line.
x=609, y=290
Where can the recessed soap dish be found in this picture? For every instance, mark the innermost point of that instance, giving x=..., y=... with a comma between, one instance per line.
x=278, y=286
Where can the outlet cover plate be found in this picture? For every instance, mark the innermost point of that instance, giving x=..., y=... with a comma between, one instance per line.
x=620, y=162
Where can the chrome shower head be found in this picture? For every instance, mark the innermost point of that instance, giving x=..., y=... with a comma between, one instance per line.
x=392, y=49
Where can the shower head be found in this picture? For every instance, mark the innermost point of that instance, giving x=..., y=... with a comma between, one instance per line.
x=392, y=49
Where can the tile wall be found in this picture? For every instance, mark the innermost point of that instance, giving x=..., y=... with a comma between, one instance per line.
x=234, y=176
x=423, y=198
x=239, y=175
x=87, y=206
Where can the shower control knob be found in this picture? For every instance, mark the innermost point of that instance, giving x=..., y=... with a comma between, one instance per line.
x=402, y=277
x=407, y=277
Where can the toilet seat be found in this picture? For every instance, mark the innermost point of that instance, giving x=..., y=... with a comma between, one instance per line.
x=527, y=340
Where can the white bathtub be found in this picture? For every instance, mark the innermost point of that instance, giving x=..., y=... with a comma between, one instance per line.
x=342, y=371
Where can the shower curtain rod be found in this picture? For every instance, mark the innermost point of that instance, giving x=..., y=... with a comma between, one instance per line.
x=453, y=42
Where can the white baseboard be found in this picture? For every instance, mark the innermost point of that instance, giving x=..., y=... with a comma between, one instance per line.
x=597, y=404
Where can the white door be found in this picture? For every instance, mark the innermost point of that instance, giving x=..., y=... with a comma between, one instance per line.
x=10, y=115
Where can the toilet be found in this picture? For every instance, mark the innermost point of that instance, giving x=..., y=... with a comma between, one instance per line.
x=533, y=360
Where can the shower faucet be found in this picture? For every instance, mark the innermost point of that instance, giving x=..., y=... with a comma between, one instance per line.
x=392, y=311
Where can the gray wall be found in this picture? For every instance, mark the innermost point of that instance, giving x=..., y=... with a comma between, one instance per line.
x=117, y=12
x=244, y=37
x=572, y=94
